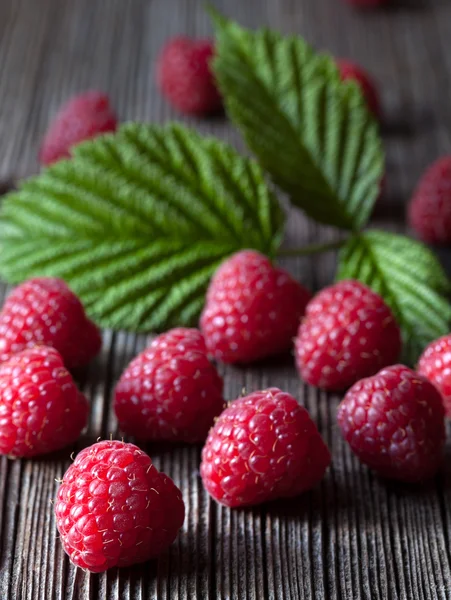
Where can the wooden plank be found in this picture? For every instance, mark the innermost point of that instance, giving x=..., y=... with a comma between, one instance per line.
x=354, y=536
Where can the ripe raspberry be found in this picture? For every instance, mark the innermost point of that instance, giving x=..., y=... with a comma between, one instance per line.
x=348, y=333
x=45, y=311
x=429, y=212
x=82, y=117
x=170, y=391
x=435, y=365
x=41, y=409
x=252, y=309
x=114, y=508
x=350, y=71
x=262, y=447
x=394, y=423
x=185, y=76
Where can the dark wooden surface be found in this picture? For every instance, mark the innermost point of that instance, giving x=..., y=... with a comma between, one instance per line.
x=354, y=537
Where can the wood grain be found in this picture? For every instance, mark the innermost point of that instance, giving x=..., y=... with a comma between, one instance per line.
x=354, y=537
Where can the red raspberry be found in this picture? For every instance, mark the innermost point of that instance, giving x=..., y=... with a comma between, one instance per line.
x=394, y=423
x=262, y=447
x=351, y=71
x=435, y=365
x=185, y=76
x=348, y=333
x=252, y=309
x=45, y=311
x=41, y=409
x=83, y=117
x=170, y=391
x=115, y=509
x=429, y=212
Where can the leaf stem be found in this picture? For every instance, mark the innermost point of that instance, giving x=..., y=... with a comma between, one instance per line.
x=312, y=249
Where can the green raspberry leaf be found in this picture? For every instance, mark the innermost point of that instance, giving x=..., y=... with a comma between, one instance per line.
x=310, y=131
x=409, y=277
x=137, y=222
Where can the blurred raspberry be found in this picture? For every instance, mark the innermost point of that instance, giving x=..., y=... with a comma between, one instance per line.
x=83, y=117
x=429, y=212
x=351, y=71
x=185, y=76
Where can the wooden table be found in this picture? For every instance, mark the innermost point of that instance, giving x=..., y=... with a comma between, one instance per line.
x=353, y=537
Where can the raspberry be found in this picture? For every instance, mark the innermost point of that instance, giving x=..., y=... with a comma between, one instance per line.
x=394, y=423
x=348, y=333
x=252, y=309
x=185, y=76
x=350, y=71
x=435, y=365
x=262, y=447
x=41, y=409
x=170, y=391
x=45, y=311
x=429, y=211
x=114, y=508
x=83, y=117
